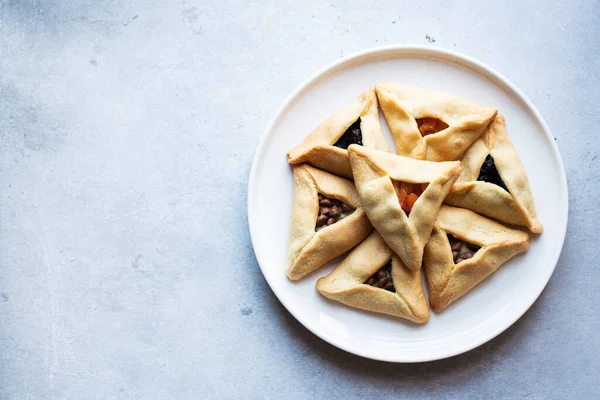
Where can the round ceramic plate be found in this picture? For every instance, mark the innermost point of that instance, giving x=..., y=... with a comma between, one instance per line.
x=484, y=312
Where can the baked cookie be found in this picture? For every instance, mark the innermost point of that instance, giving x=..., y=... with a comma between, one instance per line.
x=326, y=146
x=463, y=250
x=401, y=197
x=429, y=124
x=373, y=278
x=493, y=181
x=327, y=220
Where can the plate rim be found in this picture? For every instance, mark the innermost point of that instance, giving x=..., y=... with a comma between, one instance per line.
x=442, y=55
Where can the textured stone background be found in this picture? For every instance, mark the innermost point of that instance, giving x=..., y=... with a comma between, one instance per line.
x=127, y=131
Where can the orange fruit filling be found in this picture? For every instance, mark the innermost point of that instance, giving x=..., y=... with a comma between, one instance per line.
x=429, y=126
x=408, y=193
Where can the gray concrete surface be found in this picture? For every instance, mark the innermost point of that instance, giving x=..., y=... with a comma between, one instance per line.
x=127, y=131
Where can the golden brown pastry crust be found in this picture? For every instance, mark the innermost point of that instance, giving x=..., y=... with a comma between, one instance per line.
x=516, y=207
x=448, y=281
x=317, y=148
x=373, y=173
x=309, y=250
x=346, y=283
x=403, y=104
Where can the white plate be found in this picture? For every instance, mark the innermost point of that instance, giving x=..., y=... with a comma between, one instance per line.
x=488, y=309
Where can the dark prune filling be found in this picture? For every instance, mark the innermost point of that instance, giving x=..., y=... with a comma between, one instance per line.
x=383, y=278
x=461, y=250
x=489, y=173
x=353, y=135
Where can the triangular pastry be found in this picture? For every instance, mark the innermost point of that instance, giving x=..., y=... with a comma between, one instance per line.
x=464, y=249
x=430, y=124
x=401, y=197
x=373, y=278
x=326, y=146
x=493, y=181
x=327, y=220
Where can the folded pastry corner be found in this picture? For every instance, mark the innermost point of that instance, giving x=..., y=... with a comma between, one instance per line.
x=327, y=220
x=463, y=250
x=431, y=124
x=373, y=278
x=493, y=181
x=401, y=197
x=326, y=146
